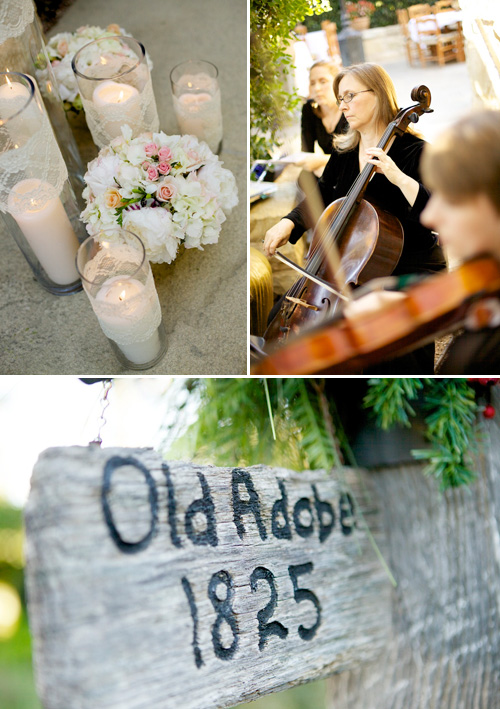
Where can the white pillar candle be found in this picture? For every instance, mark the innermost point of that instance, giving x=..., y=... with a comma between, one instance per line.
x=117, y=104
x=13, y=98
x=199, y=113
x=47, y=228
x=124, y=308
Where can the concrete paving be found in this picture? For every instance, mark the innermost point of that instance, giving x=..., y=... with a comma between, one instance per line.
x=203, y=293
x=450, y=87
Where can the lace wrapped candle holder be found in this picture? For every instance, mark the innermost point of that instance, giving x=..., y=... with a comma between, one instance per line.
x=197, y=101
x=37, y=203
x=118, y=281
x=115, y=88
x=23, y=50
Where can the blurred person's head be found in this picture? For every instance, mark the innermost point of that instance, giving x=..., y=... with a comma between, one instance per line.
x=462, y=170
x=321, y=76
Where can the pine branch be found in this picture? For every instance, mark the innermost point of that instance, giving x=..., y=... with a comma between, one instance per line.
x=390, y=400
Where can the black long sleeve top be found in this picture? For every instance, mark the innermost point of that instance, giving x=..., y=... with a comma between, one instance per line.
x=420, y=251
x=313, y=130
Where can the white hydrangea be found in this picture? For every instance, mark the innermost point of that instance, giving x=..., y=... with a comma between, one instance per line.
x=156, y=230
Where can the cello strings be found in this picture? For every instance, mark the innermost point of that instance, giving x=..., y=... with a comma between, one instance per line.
x=314, y=204
x=329, y=249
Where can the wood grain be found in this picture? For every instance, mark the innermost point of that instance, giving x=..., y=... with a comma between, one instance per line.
x=113, y=617
x=444, y=551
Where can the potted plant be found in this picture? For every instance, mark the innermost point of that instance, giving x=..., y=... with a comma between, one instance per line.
x=359, y=13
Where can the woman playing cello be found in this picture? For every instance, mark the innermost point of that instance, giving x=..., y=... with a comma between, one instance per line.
x=367, y=98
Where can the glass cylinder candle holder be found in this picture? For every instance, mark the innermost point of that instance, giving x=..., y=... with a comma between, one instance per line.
x=118, y=281
x=23, y=50
x=197, y=102
x=36, y=199
x=115, y=87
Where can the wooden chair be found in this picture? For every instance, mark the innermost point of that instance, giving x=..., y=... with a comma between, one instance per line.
x=411, y=46
x=422, y=9
x=330, y=29
x=444, y=5
x=433, y=45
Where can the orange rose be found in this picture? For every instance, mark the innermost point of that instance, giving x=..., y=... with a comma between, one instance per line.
x=112, y=197
x=113, y=28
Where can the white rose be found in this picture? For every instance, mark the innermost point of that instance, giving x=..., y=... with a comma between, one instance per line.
x=66, y=79
x=154, y=227
x=101, y=172
x=128, y=177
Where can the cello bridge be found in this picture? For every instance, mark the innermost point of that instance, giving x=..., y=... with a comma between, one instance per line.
x=303, y=303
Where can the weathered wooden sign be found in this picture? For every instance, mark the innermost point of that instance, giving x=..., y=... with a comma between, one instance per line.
x=177, y=585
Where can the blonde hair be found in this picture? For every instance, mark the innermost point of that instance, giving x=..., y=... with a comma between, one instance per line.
x=374, y=77
x=465, y=160
x=328, y=64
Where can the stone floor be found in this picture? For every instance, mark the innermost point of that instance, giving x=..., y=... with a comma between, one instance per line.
x=203, y=293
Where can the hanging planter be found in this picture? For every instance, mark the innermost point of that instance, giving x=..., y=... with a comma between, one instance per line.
x=360, y=23
x=359, y=14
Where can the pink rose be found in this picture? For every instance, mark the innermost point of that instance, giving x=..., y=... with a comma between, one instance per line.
x=146, y=165
x=164, y=154
x=62, y=47
x=164, y=168
x=153, y=173
x=151, y=149
x=166, y=190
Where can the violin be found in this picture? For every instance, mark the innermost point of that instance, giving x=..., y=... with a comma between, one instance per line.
x=369, y=241
x=434, y=306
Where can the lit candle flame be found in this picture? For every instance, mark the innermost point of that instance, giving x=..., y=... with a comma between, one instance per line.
x=189, y=84
x=120, y=97
x=104, y=60
x=122, y=295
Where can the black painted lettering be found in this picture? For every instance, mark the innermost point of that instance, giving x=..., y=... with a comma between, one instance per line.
x=267, y=629
x=303, y=505
x=171, y=507
x=194, y=615
x=304, y=594
x=225, y=613
x=203, y=506
x=347, y=518
x=244, y=507
x=280, y=509
x=111, y=466
x=323, y=509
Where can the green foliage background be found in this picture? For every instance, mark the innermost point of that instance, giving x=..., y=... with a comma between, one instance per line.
x=271, y=26
x=385, y=14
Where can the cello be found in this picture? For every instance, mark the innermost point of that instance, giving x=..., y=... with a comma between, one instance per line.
x=369, y=241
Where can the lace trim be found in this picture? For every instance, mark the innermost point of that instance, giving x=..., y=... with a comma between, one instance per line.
x=15, y=16
x=39, y=158
x=133, y=320
x=139, y=112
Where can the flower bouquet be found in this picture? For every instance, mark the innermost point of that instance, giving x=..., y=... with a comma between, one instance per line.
x=167, y=189
x=61, y=49
x=363, y=8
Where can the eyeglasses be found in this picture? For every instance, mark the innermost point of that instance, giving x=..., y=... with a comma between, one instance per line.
x=348, y=97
